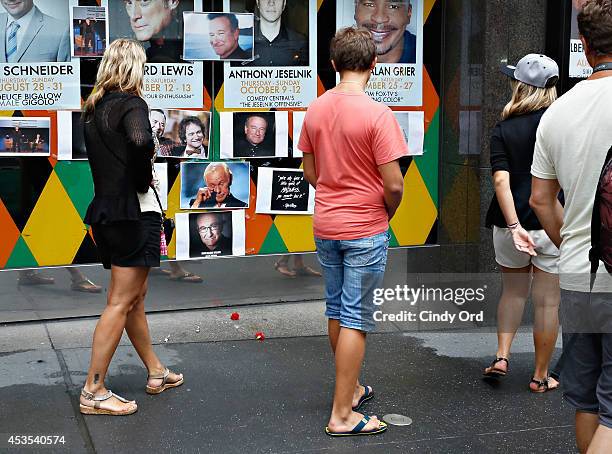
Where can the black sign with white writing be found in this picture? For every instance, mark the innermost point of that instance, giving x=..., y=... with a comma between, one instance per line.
x=289, y=191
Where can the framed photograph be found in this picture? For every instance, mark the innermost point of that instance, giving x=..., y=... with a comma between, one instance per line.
x=215, y=185
x=218, y=36
x=89, y=31
x=283, y=191
x=24, y=136
x=254, y=134
x=209, y=234
x=181, y=133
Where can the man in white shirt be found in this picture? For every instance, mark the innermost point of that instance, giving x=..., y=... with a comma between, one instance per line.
x=29, y=36
x=572, y=142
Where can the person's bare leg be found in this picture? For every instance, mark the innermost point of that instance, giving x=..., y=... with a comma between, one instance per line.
x=350, y=350
x=282, y=266
x=510, y=310
x=176, y=269
x=124, y=290
x=601, y=441
x=137, y=330
x=299, y=267
x=546, y=296
x=333, y=330
x=586, y=425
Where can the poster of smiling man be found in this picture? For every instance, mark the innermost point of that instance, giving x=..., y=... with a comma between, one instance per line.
x=397, y=29
x=283, y=70
x=170, y=81
x=181, y=133
x=254, y=134
x=218, y=36
x=35, y=62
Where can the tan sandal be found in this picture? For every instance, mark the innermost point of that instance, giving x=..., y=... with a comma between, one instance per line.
x=164, y=385
x=95, y=408
x=86, y=286
x=283, y=269
x=306, y=271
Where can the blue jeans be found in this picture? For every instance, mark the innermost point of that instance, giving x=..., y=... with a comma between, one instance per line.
x=352, y=270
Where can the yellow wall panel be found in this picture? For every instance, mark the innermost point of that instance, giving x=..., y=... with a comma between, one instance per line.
x=296, y=231
x=54, y=231
x=417, y=213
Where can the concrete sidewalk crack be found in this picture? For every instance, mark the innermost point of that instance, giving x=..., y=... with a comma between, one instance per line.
x=73, y=395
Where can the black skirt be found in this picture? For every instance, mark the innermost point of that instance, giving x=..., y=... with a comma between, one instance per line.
x=129, y=243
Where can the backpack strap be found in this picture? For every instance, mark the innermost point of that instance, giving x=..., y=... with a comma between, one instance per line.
x=595, y=252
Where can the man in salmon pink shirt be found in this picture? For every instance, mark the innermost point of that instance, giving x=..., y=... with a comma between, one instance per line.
x=351, y=147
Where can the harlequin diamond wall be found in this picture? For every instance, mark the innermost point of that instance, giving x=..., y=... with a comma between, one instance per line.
x=43, y=201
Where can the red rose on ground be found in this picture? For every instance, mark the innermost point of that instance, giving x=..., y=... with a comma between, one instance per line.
x=259, y=336
x=235, y=316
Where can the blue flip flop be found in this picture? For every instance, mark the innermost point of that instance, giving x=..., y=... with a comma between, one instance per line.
x=357, y=429
x=367, y=395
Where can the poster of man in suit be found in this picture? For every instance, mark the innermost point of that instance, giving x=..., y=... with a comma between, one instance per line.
x=34, y=31
x=35, y=54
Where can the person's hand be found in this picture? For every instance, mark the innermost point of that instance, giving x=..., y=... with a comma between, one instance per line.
x=523, y=241
x=203, y=195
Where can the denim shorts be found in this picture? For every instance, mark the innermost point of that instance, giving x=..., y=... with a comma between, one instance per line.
x=352, y=270
x=586, y=375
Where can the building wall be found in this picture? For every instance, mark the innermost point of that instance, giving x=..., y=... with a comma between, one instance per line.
x=479, y=35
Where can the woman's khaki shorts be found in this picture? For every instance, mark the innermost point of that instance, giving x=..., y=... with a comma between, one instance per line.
x=507, y=256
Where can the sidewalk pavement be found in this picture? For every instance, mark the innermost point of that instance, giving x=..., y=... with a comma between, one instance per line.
x=242, y=395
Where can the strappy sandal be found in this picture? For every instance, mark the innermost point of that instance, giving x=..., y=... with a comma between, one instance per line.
x=164, y=385
x=34, y=279
x=283, y=269
x=542, y=385
x=494, y=371
x=186, y=277
x=306, y=271
x=86, y=286
x=358, y=429
x=95, y=408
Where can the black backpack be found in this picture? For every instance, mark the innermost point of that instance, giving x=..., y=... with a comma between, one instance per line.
x=601, y=220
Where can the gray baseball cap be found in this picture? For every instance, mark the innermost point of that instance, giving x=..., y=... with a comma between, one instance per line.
x=534, y=69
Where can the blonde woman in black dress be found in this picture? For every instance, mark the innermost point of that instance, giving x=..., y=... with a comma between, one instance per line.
x=126, y=221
